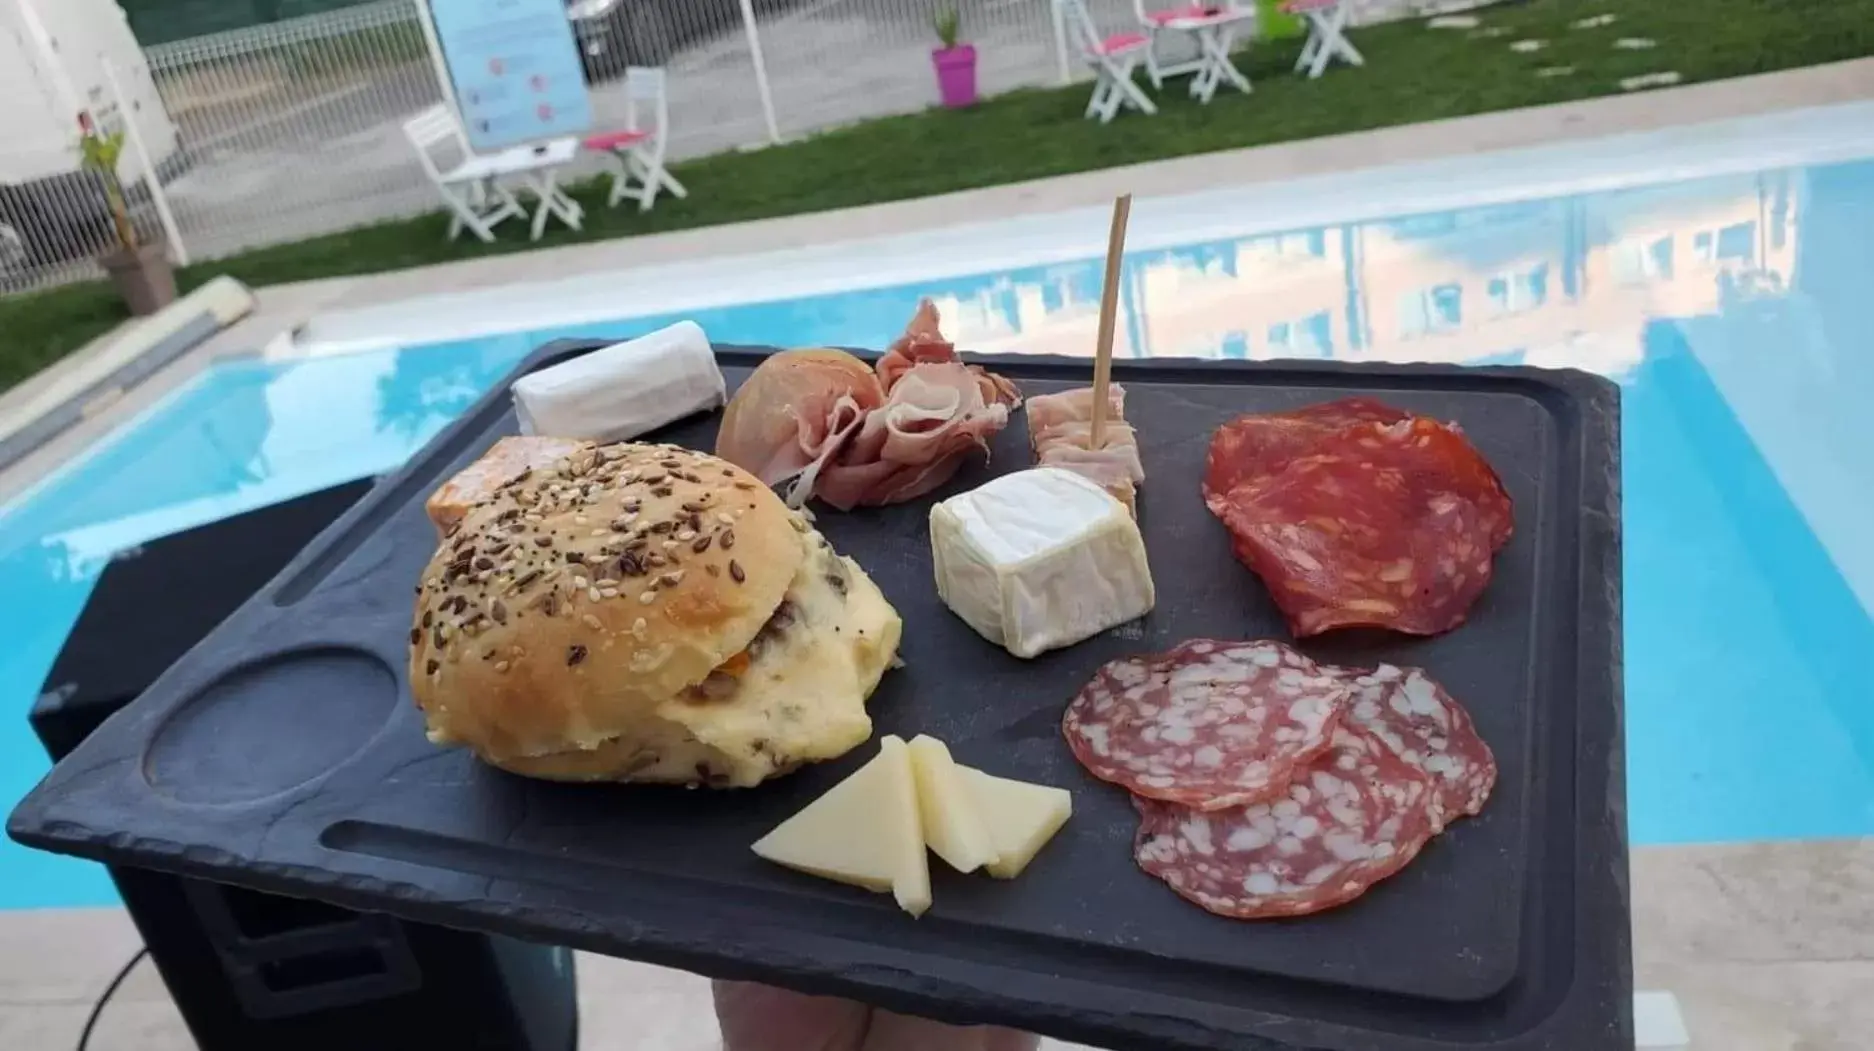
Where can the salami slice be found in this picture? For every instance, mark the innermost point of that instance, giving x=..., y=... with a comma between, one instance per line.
x=1209, y=724
x=1368, y=532
x=1354, y=816
x=1254, y=446
x=1427, y=728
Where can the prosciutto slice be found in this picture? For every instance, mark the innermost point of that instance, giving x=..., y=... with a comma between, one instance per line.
x=923, y=343
x=797, y=409
x=1060, y=427
x=858, y=435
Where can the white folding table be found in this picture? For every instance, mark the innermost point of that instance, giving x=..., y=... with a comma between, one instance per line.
x=1215, y=32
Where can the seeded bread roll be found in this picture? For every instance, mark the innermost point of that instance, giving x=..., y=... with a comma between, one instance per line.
x=562, y=610
x=646, y=613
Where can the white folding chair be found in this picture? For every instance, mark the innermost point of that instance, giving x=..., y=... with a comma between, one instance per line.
x=1113, y=58
x=471, y=186
x=1327, y=37
x=636, y=153
x=466, y=195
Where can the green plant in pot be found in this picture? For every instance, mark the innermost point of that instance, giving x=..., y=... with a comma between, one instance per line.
x=140, y=269
x=955, y=62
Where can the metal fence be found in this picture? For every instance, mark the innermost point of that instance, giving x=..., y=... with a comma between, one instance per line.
x=294, y=129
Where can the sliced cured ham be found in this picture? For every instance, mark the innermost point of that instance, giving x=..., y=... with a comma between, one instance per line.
x=797, y=408
x=934, y=418
x=923, y=343
x=1208, y=725
x=853, y=434
x=1428, y=729
x=1354, y=815
x=1060, y=428
x=1355, y=520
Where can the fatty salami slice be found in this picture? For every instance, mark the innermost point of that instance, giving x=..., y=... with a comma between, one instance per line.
x=1369, y=532
x=1427, y=728
x=1207, y=725
x=1261, y=444
x=1354, y=816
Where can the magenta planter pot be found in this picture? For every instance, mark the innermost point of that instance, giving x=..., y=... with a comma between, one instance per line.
x=956, y=75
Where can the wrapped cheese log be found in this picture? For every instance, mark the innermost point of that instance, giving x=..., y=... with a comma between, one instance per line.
x=1060, y=427
x=624, y=390
x=505, y=461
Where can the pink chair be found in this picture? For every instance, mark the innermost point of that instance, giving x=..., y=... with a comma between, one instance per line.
x=1327, y=40
x=637, y=153
x=1113, y=59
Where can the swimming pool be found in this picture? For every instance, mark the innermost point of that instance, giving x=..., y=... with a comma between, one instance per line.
x=1729, y=308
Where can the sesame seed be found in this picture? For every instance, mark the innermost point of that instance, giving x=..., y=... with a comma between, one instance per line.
x=575, y=654
x=606, y=582
x=713, y=570
x=735, y=571
x=638, y=626
x=672, y=545
x=543, y=541
x=501, y=665
x=662, y=490
x=728, y=539
x=648, y=597
x=592, y=622
x=581, y=582
x=671, y=579
x=686, y=534
x=499, y=612
x=702, y=544
x=581, y=520
x=725, y=518
x=608, y=592
x=433, y=666
x=594, y=594
x=416, y=636
x=601, y=532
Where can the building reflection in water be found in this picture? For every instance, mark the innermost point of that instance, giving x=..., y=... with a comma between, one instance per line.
x=1564, y=282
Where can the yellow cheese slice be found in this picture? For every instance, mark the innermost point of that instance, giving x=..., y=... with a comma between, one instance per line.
x=953, y=825
x=1022, y=817
x=865, y=831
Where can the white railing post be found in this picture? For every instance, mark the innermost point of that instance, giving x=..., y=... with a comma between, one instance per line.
x=761, y=70
x=1060, y=42
x=178, y=251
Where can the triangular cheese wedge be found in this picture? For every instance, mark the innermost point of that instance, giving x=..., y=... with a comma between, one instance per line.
x=1021, y=817
x=865, y=831
x=953, y=824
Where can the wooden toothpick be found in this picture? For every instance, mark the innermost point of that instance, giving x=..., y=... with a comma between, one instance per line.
x=1109, y=310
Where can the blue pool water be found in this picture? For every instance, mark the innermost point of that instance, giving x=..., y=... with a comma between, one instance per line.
x=1730, y=310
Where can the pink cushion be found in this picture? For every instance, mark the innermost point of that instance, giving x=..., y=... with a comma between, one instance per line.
x=1295, y=7
x=1159, y=18
x=1120, y=43
x=613, y=140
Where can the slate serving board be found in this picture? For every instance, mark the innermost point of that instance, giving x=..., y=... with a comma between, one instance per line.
x=283, y=753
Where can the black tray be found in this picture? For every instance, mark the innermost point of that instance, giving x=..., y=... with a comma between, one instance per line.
x=283, y=754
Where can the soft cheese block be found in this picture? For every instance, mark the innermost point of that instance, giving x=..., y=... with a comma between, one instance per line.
x=1039, y=559
x=1021, y=817
x=865, y=831
x=953, y=821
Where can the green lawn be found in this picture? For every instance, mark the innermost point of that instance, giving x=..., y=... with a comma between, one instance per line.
x=1413, y=73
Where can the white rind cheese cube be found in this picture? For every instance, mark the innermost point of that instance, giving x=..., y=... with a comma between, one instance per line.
x=1039, y=559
